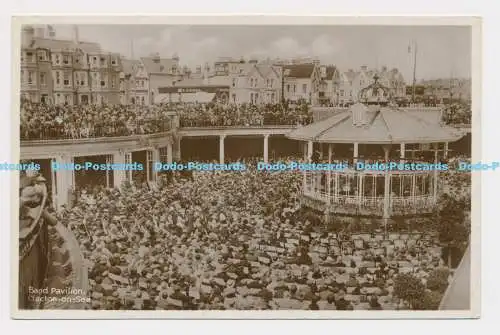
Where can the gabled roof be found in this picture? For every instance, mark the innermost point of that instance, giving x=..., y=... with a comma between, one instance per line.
x=54, y=44
x=330, y=71
x=383, y=125
x=164, y=65
x=299, y=70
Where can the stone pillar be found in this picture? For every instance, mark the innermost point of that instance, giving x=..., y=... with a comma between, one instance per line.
x=118, y=175
x=309, y=151
x=266, y=148
x=64, y=179
x=402, y=152
x=355, y=152
x=169, y=153
x=221, y=148
x=177, y=148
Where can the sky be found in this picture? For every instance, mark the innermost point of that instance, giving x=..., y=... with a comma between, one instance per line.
x=442, y=51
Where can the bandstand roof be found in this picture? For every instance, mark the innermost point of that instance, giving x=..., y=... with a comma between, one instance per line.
x=378, y=125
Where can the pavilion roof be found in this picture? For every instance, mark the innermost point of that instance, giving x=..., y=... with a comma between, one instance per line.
x=378, y=125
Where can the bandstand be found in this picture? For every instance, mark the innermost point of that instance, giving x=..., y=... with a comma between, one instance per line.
x=375, y=131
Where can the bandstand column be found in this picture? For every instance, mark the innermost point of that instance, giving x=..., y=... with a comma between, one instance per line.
x=445, y=153
x=266, y=148
x=435, y=172
x=387, y=185
x=329, y=175
x=221, y=148
x=118, y=175
x=156, y=158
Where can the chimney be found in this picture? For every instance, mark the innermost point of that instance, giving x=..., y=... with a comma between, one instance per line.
x=76, y=35
x=40, y=32
x=364, y=68
x=27, y=35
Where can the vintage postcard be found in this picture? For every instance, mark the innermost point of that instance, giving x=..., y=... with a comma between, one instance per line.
x=246, y=167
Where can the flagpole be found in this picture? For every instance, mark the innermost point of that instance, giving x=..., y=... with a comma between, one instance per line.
x=414, y=71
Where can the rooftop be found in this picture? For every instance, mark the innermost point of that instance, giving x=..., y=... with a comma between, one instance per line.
x=377, y=125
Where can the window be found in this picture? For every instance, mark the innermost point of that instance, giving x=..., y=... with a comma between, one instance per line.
x=113, y=82
x=42, y=79
x=234, y=82
x=58, y=78
x=342, y=93
x=103, y=83
x=113, y=62
x=294, y=88
x=304, y=88
x=255, y=82
x=288, y=87
x=30, y=77
x=66, y=79
x=58, y=59
x=29, y=56
x=42, y=55
x=272, y=83
x=251, y=82
x=66, y=59
x=102, y=61
x=143, y=102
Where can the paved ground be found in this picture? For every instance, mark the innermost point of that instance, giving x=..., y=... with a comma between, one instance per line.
x=457, y=297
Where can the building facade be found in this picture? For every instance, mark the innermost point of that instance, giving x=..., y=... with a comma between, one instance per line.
x=352, y=82
x=67, y=71
x=134, y=83
x=301, y=82
x=329, y=85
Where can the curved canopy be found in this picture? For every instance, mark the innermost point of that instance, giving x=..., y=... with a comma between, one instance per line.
x=378, y=125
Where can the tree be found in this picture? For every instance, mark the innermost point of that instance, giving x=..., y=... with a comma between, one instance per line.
x=410, y=289
x=428, y=301
x=438, y=280
x=452, y=230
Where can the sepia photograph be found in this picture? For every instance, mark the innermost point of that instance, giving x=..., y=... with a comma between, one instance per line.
x=205, y=168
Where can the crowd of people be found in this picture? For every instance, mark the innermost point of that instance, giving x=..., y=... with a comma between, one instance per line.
x=48, y=122
x=210, y=240
x=213, y=115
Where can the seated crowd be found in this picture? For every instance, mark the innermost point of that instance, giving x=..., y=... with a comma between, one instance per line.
x=41, y=121
x=214, y=241
x=244, y=115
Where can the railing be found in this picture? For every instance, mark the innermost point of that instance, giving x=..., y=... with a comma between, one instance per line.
x=97, y=130
x=193, y=123
x=34, y=253
x=355, y=205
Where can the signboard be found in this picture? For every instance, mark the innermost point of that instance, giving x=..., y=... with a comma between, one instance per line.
x=193, y=89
